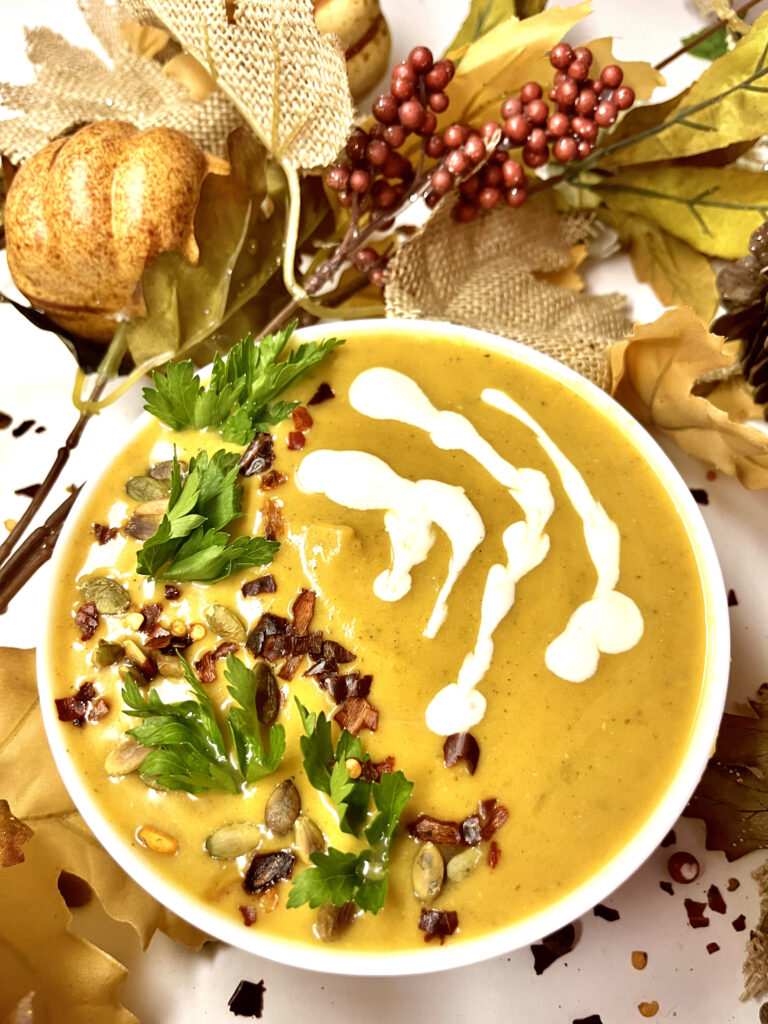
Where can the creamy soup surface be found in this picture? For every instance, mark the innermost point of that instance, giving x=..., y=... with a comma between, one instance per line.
x=579, y=766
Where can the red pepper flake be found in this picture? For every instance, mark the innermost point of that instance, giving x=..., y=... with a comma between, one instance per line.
x=552, y=947
x=438, y=923
x=267, y=869
x=87, y=619
x=151, y=613
x=461, y=746
x=273, y=519
x=715, y=900
x=357, y=713
x=607, y=913
x=669, y=839
x=323, y=393
x=739, y=923
x=172, y=593
x=295, y=441
x=494, y=854
x=206, y=668
x=248, y=998
x=84, y=706
x=732, y=884
x=712, y=947
x=683, y=867
x=258, y=456
x=695, y=912
x=249, y=914
x=104, y=533
x=272, y=479
x=302, y=419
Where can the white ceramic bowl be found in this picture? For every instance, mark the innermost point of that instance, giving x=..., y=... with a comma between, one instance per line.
x=575, y=903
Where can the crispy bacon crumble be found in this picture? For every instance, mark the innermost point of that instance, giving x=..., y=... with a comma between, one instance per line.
x=461, y=746
x=104, y=533
x=438, y=923
x=87, y=619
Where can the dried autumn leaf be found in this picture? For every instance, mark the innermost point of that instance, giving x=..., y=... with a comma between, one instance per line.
x=287, y=79
x=713, y=209
x=728, y=103
x=483, y=15
x=678, y=274
x=14, y=835
x=732, y=796
x=62, y=841
x=654, y=372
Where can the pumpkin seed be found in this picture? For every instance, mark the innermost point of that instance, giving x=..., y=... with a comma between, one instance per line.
x=309, y=839
x=163, y=470
x=107, y=653
x=428, y=873
x=138, y=656
x=267, y=693
x=169, y=665
x=463, y=864
x=225, y=623
x=283, y=807
x=333, y=921
x=107, y=594
x=142, y=527
x=156, y=507
x=145, y=488
x=233, y=840
x=125, y=758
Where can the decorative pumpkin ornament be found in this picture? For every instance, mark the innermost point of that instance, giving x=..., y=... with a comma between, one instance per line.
x=87, y=213
x=364, y=34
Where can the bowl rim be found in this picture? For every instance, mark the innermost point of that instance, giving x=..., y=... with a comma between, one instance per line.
x=574, y=904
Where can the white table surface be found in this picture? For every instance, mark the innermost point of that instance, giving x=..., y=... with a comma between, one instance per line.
x=171, y=985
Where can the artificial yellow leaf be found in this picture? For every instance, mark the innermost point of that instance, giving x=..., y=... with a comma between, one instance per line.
x=567, y=277
x=37, y=796
x=145, y=40
x=654, y=371
x=713, y=209
x=639, y=74
x=678, y=274
x=728, y=103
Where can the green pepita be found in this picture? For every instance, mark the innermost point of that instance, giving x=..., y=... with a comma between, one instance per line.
x=282, y=809
x=267, y=693
x=145, y=488
x=225, y=623
x=142, y=527
x=428, y=873
x=463, y=864
x=126, y=757
x=163, y=470
x=108, y=596
x=308, y=838
x=233, y=840
x=106, y=653
x=333, y=921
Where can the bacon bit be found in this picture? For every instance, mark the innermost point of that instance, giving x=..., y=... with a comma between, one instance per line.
x=249, y=914
x=739, y=923
x=695, y=912
x=224, y=650
x=715, y=900
x=14, y=835
x=335, y=652
x=434, y=830
x=87, y=619
x=206, y=668
x=323, y=393
x=357, y=713
x=272, y=479
x=104, y=533
x=248, y=998
x=277, y=647
x=161, y=638
x=303, y=608
x=82, y=706
x=492, y=816
x=552, y=947
x=295, y=441
x=373, y=770
x=461, y=746
x=172, y=593
x=712, y=947
x=438, y=923
x=273, y=519
x=302, y=418
x=150, y=615
x=267, y=869
x=472, y=830
x=258, y=456
x=268, y=625
x=494, y=854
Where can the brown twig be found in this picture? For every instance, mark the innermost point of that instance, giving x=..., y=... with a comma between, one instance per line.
x=707, y=32
x=34, y=552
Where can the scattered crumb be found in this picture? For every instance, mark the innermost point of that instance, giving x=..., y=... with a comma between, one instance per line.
x=593, y=1018
x=715, y=900
x=700, y=496
x=732, y=599
x=739, y=923
x=607, y=913
x=712, y=947
x=669, y=839
x=732, y=884
x=248, y=999
x=711, y=475
x=648, y=1009
x=9, y=524
x=696, y=915
x=667, y=887
x=639, y=959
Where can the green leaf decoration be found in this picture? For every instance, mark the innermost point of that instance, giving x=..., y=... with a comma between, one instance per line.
x=712, y=209
x=335, y=878
x=255, y=762
x=728, y=103
x=678, y=274
x=732, y=796
x=714, y=46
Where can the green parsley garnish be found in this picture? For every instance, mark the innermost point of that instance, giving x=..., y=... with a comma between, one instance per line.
x=189, y=752
x=239, y=400
x=340, y=877
x=191, y=543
